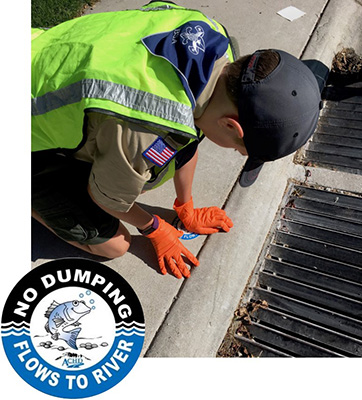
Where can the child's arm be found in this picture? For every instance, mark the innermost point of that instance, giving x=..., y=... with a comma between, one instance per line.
x=205, y=220
x=164, y=238
x=183, y=180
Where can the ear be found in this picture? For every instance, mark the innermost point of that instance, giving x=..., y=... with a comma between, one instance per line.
x=231, y=125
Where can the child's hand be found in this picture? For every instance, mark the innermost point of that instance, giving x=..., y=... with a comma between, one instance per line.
x=169, y=249
x=205, y=220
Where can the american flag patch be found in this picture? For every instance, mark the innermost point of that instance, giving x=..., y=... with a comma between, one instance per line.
x=159, y=152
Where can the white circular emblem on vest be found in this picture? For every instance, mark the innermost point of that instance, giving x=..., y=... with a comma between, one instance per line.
x=195, y=38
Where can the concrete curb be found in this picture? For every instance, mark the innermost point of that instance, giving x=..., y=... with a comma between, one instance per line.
x=339, y=27
x=198, y=320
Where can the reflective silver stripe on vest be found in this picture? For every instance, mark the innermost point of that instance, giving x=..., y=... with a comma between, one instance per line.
x=126, y=96
x=165, y=7
x=213, y=22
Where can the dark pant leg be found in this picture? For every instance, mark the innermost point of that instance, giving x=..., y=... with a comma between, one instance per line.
x=60, y=197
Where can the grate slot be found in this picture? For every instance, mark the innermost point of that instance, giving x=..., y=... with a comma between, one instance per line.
x=319, y=248
x=352, y=111
x=340, y=131
x=325, y=208
x=325, y=235
x=319, y=280
x=342, y=106
x=323, y=221
x=307, y=293
x=313, y=313
x=317, y=263
x=328, y=197
x=274, y=337
x=339, y=122
x=325, y=265
x=309, y=331
x=351, y=94
x=261, y=350
x=337, y=150
x=333, y=160
x=336, y=141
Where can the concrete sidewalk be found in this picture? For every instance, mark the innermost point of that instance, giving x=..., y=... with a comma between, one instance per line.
x=189, y=318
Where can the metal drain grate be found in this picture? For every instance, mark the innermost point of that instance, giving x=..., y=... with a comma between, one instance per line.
x=337, y=142
x=311, y=280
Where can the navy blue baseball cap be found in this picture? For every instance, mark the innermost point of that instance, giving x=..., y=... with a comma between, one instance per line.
x=279, y=113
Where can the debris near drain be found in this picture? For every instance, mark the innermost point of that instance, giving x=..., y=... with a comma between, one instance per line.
x=346, y=68
x=231, y=346
x=244, y=313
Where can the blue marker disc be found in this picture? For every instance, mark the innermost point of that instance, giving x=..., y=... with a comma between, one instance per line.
x=187, y=235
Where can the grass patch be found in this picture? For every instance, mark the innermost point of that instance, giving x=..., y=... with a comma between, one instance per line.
x=48, y=13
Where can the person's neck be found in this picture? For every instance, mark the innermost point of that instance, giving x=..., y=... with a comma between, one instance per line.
x=218, y=106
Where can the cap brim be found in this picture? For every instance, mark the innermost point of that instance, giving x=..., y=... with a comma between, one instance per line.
x=250, y=172
x=319, y=70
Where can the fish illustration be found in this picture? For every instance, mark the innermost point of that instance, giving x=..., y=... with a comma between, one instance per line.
x=63, y=320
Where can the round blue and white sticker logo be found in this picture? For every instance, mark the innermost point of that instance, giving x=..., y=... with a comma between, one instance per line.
x=73, y=328
x=186, y=235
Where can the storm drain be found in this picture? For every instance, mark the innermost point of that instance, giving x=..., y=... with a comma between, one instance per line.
x=337, y=142
x=307, y=301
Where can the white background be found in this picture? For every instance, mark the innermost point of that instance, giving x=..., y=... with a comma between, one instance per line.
x=150, y=378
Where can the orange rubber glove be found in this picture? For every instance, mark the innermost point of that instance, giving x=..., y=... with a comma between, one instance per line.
x=165, y=240
x=204, y=220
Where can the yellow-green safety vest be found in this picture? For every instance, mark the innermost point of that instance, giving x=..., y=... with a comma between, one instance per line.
x=146, y=66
